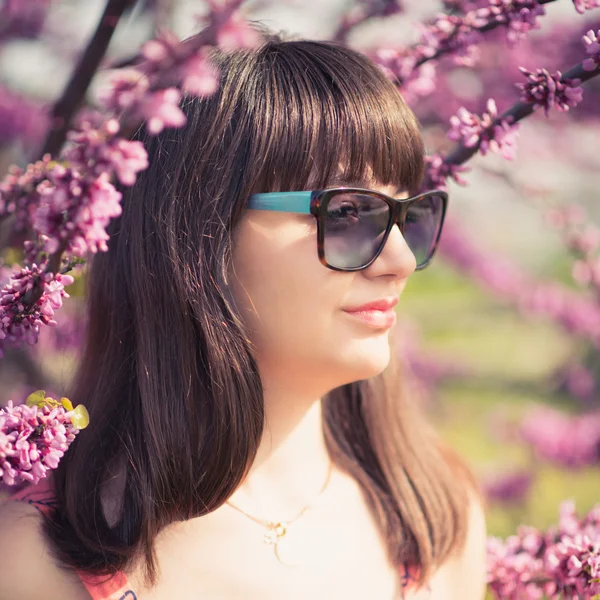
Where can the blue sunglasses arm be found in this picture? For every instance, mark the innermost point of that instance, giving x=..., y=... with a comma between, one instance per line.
x=296, y=202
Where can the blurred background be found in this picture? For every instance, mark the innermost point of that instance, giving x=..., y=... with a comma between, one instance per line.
x=500, y=335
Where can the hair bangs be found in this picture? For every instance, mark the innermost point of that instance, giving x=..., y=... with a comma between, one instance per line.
x=316, y=128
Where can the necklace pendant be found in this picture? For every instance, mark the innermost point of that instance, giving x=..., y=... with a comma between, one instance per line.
x=275, y=533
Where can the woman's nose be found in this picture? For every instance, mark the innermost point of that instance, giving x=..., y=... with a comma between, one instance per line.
x=396, y=257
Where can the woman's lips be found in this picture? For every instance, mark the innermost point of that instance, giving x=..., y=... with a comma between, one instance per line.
x=375, y=318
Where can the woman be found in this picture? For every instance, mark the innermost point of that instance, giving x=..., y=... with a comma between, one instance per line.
x=230, y=381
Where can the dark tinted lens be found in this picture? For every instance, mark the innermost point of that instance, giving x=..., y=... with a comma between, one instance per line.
x=422, y=226
x=354, y=228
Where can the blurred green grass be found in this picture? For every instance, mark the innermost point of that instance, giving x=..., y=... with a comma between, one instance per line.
x=512, y=357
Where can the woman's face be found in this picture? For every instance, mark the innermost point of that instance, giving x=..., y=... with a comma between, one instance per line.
x=294, y=306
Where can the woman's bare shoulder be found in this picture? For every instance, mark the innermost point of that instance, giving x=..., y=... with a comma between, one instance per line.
x=30, y=570
x=469, y=568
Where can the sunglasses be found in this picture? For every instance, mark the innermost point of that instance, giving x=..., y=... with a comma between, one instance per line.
x=353, y=224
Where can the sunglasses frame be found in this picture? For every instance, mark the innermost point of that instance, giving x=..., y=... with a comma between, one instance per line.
x=315, y=202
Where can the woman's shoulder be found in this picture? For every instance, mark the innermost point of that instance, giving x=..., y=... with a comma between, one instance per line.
x=469, y=567
x=30, y=568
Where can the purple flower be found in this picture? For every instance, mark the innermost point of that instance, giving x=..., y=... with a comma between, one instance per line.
x=452, y=34
x=74, y=211
x=485, y=131
x=20, y=118
x=125, y=89
x=592, y=43
x=438, y=171
x=19, y=323
x=560, y=562
x=508, y=488
x=161, y=109
x=567, y=441
x=582, y=5
x=236, y=33
x=97, y=149
x=545, y=90
x=521, y=16
x=512, y=565
x=401, y=65
x=35, y=436
x=200, y=77
x=23, y=19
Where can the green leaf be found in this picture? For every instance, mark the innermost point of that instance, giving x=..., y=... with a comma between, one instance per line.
x=37, y=398
x=81, y=417
x=66, y=403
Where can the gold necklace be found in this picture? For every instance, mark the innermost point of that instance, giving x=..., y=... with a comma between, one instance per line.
x=276, y=530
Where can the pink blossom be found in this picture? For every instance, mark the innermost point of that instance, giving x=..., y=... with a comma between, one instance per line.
x=438, y=171
x=236, y=33
x=582, y=5
x=580, y=382
x=508, y=487
x=452, y=33
x=200, y=77
x=401, y=65
x=151, y=90
x=521, y=16
x=486, y=131
x=34, y=438
x=20, y=118
x=23, y=19
x=98, y=149
x=74, y=211
x=161, y=110
x=545, y=90
x=18, y=191
x=19, y=323
x=591, y=41
x=559, y=562
x=566, y=441
x=126, y=88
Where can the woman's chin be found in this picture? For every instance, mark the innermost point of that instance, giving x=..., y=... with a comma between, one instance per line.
x=366, y=357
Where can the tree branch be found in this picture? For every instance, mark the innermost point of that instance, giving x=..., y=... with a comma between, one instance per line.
x=74, y=93
x=518, y=111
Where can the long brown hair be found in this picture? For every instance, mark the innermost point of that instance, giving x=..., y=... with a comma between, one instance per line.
x=167, y=372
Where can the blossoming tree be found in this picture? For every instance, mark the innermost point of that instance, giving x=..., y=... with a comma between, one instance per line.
x=55, y=209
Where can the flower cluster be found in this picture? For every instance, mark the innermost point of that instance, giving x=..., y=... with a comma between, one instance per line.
x=438, y=170
x=96, y=148
x=581, y=238
x=151, y=91
x=400, y=64
x=547, y=90
x=23, y=19
x=591, y=41
x=65, y=206
x=487, y=132
x=20, y=322
x=452, y=34
x=566, y=441
x=34, y=436
x=509, y=487
x=18, y=193
x=520, y=16
x=564, y=560
x=582, y=5
x=578, y=381
x=20, y=118
x=74, y=210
